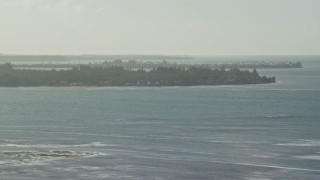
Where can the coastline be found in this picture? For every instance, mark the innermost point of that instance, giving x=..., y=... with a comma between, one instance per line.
x=119, y=76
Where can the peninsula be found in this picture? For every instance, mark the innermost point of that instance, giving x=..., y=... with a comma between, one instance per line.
x=120, y=76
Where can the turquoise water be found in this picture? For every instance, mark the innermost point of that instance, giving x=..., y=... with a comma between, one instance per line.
x=268, y=131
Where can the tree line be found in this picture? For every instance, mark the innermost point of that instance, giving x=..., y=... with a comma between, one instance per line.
x=120, y=76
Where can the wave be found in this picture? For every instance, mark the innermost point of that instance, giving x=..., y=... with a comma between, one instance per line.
x=281, y=116
x=29, y=154
x=22, y=158
x=302, y=143
x=91, y=134
x=287, y=89
x=50, y=154
x=60, y=127
x=240, y=163
x=263, y=116
x=93, y=144
x=309, y=157
x=268, y=166
x=271, y=166
x=236, y=142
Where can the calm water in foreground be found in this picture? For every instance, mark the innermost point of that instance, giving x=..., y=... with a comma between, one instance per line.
x=253, y=132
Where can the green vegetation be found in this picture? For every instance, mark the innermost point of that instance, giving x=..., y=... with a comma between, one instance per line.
x=119, y=76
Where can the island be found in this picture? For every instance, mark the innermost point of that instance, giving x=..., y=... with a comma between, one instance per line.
x=119, y=76
x=133, y=64
x=212, y=65
x=151, y=61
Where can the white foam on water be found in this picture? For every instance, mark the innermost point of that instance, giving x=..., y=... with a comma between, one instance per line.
x=93, y=144
x=49, y=152
x=22, y=158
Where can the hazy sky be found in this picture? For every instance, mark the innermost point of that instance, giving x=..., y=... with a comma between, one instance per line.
x=184, y=27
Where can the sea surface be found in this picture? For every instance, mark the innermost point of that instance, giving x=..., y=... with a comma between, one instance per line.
x=249, y=132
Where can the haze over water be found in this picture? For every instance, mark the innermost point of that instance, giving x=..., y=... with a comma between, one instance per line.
x=268, y=131
x=247, y=132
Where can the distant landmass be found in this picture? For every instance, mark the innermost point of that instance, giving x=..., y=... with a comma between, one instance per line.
x=233, y=65
x=120, y=76
x=149, y=61
x=151, y=64
x=80, y=58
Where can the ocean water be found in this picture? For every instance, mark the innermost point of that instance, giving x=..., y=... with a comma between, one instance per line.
x=249, y=132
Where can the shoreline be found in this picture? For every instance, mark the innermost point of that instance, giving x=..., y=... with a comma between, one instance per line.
x=126, y=86
x=119, y=76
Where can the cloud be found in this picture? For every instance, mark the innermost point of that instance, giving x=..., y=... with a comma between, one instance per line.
x=52, y=5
